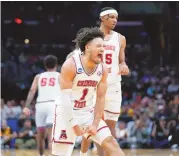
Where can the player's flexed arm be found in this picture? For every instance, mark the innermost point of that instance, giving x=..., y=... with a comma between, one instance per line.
x=68, y=72
x=124, y=70
x=100, y=102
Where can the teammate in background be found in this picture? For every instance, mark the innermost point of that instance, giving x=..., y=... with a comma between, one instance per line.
x=83, y=76
x=48, y=87
x=77, y=49
x=114, y=59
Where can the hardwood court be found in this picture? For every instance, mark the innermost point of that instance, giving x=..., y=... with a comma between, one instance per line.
x=138, y=152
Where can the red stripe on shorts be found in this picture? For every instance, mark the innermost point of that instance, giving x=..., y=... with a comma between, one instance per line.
x=102, y=128
x=97, y=131
x=62, y=142
x=111, y=112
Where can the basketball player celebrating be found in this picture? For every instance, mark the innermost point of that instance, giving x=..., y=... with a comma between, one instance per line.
x=83, y=76
x=114, y=59
x=48, y=87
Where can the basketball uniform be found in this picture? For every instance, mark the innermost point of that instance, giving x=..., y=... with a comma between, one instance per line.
x=48, y=91
x=77, y=51
x=83, y=92
x=113, y=94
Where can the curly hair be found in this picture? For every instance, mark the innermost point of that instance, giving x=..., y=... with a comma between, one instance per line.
x=78, y=32
x=86, y=35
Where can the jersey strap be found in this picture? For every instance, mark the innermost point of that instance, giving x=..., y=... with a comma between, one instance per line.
x=79, y=68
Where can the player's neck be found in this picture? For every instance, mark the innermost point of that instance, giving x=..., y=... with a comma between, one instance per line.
x=88, y=64
x=105, y=30
x=51, y=70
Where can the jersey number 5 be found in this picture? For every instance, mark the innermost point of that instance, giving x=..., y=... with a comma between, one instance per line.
x=108, y=58
x=49, y=82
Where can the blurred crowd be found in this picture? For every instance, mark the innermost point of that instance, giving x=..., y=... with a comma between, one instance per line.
x=150, y=109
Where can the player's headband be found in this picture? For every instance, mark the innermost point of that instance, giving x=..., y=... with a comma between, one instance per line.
x=106, y=12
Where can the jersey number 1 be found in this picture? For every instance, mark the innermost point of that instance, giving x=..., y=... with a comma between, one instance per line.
x=85, y=92
x=49, y=82
x=81, y=103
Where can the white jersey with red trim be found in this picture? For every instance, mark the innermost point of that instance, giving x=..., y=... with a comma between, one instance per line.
x=48, y=86
x=76, y=51
x=111, y=57
x=84, y=85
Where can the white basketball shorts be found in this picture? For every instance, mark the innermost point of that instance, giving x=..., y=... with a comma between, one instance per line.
x=113, y=102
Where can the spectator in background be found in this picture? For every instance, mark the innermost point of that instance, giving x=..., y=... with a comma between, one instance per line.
x=152, y=89
x=26, y=137
x=159, y=100
x=160, y=133
x=17, y=108
x=173, y=105
x=151, y=109
x=3, y=110
x=6, y=134
x=161, y=112
x=173, y=87
x=139, y=134
x=9, y=110
x=22, y=104
x=173, y=125
x=12, y=111
x=122, y=134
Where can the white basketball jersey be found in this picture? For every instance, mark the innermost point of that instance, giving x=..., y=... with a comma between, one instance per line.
x=76, y=51
x=48, y=86
x=84, y=85
x=111, y=57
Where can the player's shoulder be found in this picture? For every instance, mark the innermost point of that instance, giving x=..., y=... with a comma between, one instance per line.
x=77, y=51
x=73, y=53
x=70, y=55
x=122, y=37
x=37, y=76
x=69, y=64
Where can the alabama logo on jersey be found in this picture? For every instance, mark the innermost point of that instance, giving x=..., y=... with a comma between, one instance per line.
x=63, y=134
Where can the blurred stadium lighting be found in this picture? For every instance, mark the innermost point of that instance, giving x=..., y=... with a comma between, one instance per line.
x=18, y=20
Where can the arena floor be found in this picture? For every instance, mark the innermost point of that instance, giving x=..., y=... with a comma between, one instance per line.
x=137, y=152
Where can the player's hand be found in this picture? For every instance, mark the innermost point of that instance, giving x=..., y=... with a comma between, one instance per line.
x=92, y=130
x=78, y=131
x=123, y=69
x=26, y=111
